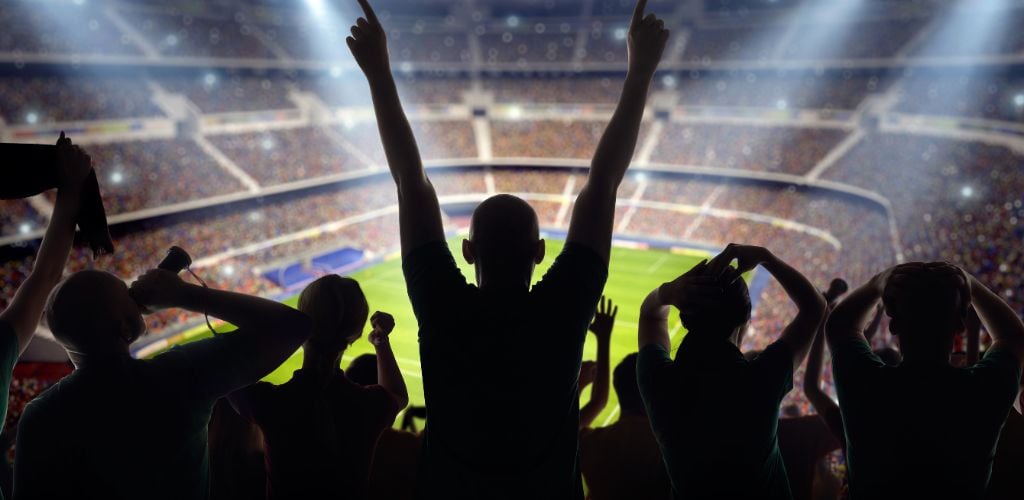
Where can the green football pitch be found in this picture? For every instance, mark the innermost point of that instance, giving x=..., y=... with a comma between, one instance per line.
x=633, y=274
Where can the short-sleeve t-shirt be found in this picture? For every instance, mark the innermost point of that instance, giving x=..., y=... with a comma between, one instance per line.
x=918, y=430
x=319, y=438
x=715, y=416
x=502, y=413
x=622, y=461
x=119, y=427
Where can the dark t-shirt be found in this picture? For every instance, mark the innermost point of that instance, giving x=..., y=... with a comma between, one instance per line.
x=8, y=358
x=917, y=430
x=393, y=474
x=500, y=376
x=622, y=461
x=319, y=437
x=804, y=442
x=715, y=416
x=1008, y=467
x=120, y=428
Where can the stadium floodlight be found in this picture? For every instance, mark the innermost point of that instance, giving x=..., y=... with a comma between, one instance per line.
x=32, y=117
x=1018, y=100
x=228, y=270
x=316, y=6
x=267, y=143
x=641, y=177
x=967, y=192
x=117, y=177
x=512, y=21
x=515, y=112
x=25, y=228
x=210, y=79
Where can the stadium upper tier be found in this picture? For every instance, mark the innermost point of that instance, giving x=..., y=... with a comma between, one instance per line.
x=506, y=34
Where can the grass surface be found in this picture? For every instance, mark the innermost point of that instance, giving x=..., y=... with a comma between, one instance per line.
x=633, y=274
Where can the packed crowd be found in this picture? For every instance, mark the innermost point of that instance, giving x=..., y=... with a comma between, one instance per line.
x=548, y=138
x=953, y=200
x=510, y=47
x=977, y=95
x=60, y=27
x=187, y=34
x=281, y=156
x=156, y=173
x=219, y=93
x=17, y=216
x=788, y=150
x=78, y=96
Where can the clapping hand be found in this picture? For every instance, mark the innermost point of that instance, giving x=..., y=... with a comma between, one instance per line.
x=369, y=44
x=382, y=323
x=647, y=39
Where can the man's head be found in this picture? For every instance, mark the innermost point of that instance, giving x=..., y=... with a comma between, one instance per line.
x=504, y=241
x=626, y=389
x=338, y=309
x=726, y=316
x=91, y=313
x=363, y=370
x=928, y=304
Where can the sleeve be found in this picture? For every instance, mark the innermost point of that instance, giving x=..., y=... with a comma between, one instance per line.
x=651, y=362
x=212, y=368
x=774, y=368
x=431, y=278
x=251, y=401
x=1000, y=374
x=575, y=282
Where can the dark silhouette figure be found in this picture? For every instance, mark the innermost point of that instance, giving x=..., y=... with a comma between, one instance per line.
x=120, y=427
x=622, y=460
x=806, y=440
x=320, y=428
x=18, y=323
x=465, y=331
x=714, y=413
x=598, y=372
x=236, y=456
x=393, y=473
x=899, y=420
x=1007, y=480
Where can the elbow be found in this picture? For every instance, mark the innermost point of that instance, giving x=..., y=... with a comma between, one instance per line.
x=401, y=400
x=816, y=307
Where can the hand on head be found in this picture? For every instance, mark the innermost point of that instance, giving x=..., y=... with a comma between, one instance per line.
x=382, y=323
x=604, y=321
x=368, y=42
x=694, y=289
x=647, y=38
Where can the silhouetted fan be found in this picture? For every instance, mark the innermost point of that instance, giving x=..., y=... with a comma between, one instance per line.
x=32, y=169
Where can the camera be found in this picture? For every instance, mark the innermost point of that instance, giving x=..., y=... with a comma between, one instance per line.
x=177, y=260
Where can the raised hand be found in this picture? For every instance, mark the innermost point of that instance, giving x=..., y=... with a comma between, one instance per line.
x=158, y=289
x=369, y=44
x=73, y=165
x=382, y=323
x=604, y=321
x=647, y=38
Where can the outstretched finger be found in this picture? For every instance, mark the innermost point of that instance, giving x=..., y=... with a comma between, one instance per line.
x=370, y=14
x=638, y=12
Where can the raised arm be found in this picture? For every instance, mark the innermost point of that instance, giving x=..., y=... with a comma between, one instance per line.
x=999, y=319
x=875, y=325
x=823, y=404
x=419, y=212
x=389, y=376
x=27, y=305
x=851, y=316
x=604, y=323
x=594, y=213
x=268, y=332
x=810, y=304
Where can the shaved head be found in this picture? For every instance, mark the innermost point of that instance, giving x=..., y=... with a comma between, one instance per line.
x=504, y=238
x=91, y=312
